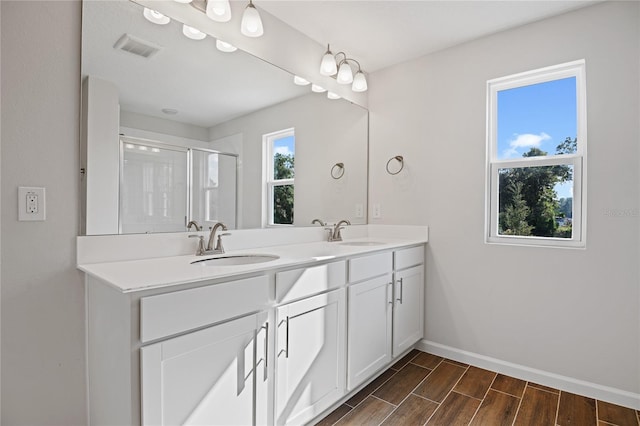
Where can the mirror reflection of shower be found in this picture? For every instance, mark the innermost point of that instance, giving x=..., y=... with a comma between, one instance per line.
x=164, y=187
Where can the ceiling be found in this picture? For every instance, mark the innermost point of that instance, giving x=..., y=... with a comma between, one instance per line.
x=208, y=87
x=381, y=33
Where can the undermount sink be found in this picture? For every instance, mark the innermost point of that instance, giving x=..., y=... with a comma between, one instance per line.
x=232, y=260
x=362, y=243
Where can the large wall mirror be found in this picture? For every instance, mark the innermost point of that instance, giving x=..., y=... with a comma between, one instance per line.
x=176, y=131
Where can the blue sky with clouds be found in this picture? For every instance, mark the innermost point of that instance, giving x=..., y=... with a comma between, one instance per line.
x=540, y=115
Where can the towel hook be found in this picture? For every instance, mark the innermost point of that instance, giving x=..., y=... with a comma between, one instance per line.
x=398, y=158
x=337, y=171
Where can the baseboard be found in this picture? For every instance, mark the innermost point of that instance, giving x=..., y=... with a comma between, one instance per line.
x=568, y=384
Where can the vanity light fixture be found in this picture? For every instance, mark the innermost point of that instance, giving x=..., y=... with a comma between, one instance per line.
x=300, y=81
x=328, y=64
x=183, y=1
x=345, y=75
x=331, y=65
x=218, y=10
x=317, y=89
x=193, y=33
x=223, y=46
x=251, y=25
x=333, y=96
x=359, y=82
x=155, y=16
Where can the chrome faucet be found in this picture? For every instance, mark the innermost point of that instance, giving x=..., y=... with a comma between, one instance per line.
x=336, y=235
x=319, y=222
x=195, y=225
x=218, y=249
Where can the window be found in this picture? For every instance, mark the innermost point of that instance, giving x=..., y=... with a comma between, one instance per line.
x=536, y=157
x=279, y=154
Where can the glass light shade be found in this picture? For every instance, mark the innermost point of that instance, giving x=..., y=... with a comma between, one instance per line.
x=332, y=95
x=300, y=81
x=223, y=46
x=193, y=33
x=251, y=25
x=345, y=75
x=328, y=65
x=359, y=82
x=155, y=17
x=219, y=10
x=317, y=89
x=183, y=1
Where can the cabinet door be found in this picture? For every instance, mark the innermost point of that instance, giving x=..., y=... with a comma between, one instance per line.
x=408, y=317
x=369, y=335
x=208, y=377
x=310, y=369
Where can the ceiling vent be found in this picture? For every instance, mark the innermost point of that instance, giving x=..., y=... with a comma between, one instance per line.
x=137, y=46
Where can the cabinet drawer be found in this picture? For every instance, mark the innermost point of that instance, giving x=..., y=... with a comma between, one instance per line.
x=409, y=257
x=362, y=268
x=172, y=313
x=303, y=282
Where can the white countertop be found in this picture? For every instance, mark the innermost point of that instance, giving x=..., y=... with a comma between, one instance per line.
x=145, y=274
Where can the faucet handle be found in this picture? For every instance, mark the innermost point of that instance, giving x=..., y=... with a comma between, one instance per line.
x=218, y=246
x=200, y=251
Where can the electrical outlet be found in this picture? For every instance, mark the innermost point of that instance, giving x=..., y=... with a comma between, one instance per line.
x=359, y=210
x=31, y=206
x=377, y=211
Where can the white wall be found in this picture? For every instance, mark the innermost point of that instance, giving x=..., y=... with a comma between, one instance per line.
x=42, y=292
x=566, y=311
x=327, y=132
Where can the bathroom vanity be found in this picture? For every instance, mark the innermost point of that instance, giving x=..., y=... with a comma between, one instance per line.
x=279, y=342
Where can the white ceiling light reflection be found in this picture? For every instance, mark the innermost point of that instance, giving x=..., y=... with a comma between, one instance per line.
x=193, y=33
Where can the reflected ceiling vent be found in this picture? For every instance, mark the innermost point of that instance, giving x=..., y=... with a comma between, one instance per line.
x=137, y=46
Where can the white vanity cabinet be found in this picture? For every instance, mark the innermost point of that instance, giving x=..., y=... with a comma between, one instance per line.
x=276, y=346
x=215, y=376
x=310, y=343
x=370, y=316
x=386, y=304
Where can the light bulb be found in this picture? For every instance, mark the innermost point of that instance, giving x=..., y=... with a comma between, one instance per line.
x=223, y=46
x=317, y=89
x=219, y=10
x=345, y=75
x=300, y=81
x=332, y=95
x=192, y=33
x=155, y=17
x=328, y=64
x=359, y=82
x=251, y=25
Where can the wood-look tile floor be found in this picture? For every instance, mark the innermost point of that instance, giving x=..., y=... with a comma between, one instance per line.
x=424, y=389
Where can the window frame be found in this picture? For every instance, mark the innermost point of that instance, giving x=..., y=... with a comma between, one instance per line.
x=575, y=69
x=269, y=183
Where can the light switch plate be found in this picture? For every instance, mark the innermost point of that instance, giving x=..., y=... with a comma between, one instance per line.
x=31, y=203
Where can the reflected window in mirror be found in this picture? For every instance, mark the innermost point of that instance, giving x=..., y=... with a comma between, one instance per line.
x=279, y=160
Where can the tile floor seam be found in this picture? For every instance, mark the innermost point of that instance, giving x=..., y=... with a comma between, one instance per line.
x=343, y=416
x=519, y=405
x=543, y=390
x=450, y=391
x=425, y=398
x=535, y=386
x=384, y=401
x=558, y=409
x=505, y=393
x=483, y=398
x=410, y=392
x=371, y=393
